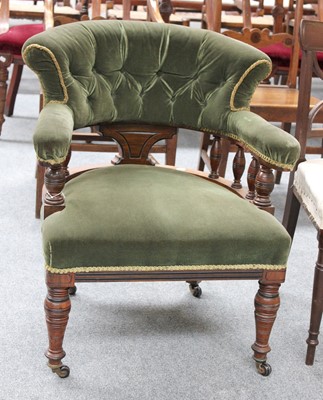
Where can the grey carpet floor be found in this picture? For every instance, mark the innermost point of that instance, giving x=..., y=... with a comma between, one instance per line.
x=148, y=341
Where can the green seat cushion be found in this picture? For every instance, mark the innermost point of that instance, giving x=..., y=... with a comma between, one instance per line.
x=132, y=217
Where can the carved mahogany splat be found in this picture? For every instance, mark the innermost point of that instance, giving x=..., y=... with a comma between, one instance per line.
x=135, y=142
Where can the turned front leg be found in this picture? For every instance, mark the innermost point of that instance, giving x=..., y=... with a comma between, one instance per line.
x=57, y=309
x=266, y=306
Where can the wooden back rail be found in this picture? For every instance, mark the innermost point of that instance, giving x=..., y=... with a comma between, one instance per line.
x=260, y=37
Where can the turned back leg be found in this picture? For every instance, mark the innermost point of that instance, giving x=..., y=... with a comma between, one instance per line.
x=13, y=89
x=317, y=306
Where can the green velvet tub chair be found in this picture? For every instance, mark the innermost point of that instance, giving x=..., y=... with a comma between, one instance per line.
x=134, y=220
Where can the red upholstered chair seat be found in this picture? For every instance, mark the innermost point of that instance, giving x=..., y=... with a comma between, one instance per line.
x=11, y=44
x=280, y=54
x=13, y=40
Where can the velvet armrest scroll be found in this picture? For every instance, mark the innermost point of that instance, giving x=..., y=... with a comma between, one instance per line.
x=270, y=143
x=53, y=133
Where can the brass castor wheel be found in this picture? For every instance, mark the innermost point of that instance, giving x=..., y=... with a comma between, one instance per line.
x=62, y=371
x=72, y=290
x=195, y=290
x=264, y=369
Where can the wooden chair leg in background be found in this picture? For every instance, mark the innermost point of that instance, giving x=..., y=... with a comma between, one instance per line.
x=40, y=171
x=291, y=210
x=5, y=61
x=171, y=147
x=286, y=126
x=205, y=142
x=225, y=149
x=13, y=89
x=317, y=305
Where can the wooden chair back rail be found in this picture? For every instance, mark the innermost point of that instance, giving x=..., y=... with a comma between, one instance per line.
x=158, y=11
x=277, y=10
x=126, y=7
x=154, y=14
x=36, y=12
x=260, y=37
x=48, y=14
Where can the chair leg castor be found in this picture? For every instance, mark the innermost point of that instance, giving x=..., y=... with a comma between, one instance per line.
x=72, y=290
x=62, y=371
x=263, y=368
x=195, y=290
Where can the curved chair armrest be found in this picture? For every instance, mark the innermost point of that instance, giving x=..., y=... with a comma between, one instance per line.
x=272, y=144
x=53, y=133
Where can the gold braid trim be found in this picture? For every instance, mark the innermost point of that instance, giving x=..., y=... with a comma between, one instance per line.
x=167, y=268
x=52, y=162
x=58, y=69
x=253, y=150
x=258, y=153
x=236, y=88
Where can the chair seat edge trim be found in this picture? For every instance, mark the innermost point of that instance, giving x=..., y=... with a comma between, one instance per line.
x=165, y=268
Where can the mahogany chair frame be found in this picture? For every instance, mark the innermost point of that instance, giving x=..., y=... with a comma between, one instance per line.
x=135, y=148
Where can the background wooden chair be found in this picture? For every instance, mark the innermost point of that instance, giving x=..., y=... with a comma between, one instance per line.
x=13, y=37
x=143, y=222
x=186, y=10
x=275, y=103
x=305, y=186
x=11, y=42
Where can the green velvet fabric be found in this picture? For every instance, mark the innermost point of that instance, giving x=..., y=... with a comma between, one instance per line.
x=147, y=216
x=57, y=121
x=124, y=71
